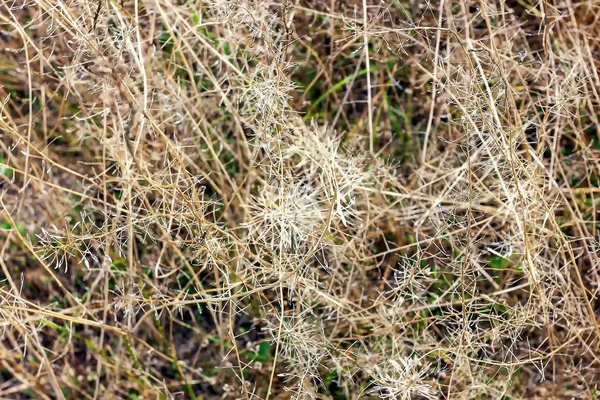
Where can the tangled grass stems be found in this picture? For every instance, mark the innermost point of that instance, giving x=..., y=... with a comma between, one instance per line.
x=310, y=200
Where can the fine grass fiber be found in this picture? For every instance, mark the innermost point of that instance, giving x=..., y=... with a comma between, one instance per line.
x=241, y=199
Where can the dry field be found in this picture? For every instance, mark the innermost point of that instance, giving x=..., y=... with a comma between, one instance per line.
x=319, y=199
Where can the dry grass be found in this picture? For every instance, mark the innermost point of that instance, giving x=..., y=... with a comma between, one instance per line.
x=266, y=200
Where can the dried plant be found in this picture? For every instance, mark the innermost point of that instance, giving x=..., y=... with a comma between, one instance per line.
x=310, y=200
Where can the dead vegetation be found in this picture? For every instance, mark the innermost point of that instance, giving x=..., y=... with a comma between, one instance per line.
x=268, y=199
